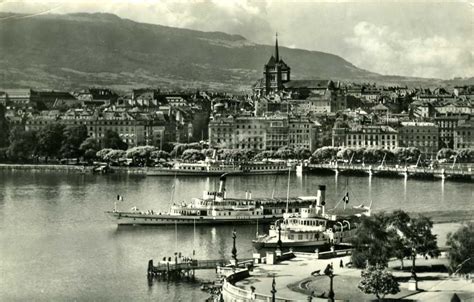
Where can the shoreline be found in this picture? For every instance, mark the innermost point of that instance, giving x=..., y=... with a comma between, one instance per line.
x=143, y=170
x=69, y=168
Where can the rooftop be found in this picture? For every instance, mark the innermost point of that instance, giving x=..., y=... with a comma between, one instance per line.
x=310, y=84
x=418, y=124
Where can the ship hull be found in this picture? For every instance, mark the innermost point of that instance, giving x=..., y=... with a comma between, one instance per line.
x=299, y=246
x=145, y=219
x=179, y=172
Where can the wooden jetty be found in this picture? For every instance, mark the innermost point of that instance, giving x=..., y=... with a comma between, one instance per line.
x=177, y=270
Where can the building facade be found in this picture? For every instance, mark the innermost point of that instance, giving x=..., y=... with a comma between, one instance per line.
x=447, y=124
x=135, y=129
x=464, y=135
x=262, y=133
x=384, y=137
x=421, y=135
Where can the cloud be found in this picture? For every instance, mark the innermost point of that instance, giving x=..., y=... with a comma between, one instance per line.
x=387, y=51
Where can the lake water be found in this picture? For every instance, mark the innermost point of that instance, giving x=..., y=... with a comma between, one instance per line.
x=57, y=244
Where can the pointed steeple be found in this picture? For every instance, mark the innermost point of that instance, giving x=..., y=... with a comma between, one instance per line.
x=277, y=57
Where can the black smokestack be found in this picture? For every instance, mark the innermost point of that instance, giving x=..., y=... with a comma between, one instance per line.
x=222, y=183
x=321, y=195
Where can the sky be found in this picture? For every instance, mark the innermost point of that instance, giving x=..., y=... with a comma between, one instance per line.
x=411, y=38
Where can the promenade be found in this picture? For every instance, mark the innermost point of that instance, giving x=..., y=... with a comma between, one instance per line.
x=294, y=281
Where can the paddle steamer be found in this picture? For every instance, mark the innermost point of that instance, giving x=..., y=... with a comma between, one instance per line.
x=216, y=208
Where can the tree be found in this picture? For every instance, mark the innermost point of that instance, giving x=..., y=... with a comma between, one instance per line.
x=50, y=140
x=399, y=220
x=406, y=155
x=325, y=154
x=141, y=155
x=370, y=241
x=74, y=136
x=285, y=153
x=374, y=155
x=208, y=152
x=114, y=155
x=234, y=155
x=159, y=155
x=103, y=153
x=413, y=154
x=264, y=155
x=192, y=155
x=445, y=153
x=23, y=144
x=112, y=140
x=377, y=281
x=420, y=238
x=89, y=148
x=302, y=153
x=465, y=155
x=4, y=128
x=345, y=153
x=417, y=235
x=399, y=249
x=179, y=148
x=461, y=249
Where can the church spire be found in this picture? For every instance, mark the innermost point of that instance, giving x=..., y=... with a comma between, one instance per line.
x=276, y=48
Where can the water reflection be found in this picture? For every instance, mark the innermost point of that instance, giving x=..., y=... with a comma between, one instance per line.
x=54, y=225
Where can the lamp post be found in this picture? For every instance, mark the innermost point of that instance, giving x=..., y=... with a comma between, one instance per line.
x=329, y=271
x=273, y=291
x=234, y=249
x=279, y=243
x=413, y=268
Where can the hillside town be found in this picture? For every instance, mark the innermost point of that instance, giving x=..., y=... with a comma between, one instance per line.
x=279, y=112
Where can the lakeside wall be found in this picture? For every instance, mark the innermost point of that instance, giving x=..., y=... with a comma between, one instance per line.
x=69, y=168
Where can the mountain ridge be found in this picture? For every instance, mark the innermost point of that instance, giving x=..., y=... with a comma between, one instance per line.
x=83, y=50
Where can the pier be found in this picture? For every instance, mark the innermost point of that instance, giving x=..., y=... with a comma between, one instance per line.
x=177, y=270
x=416, y=172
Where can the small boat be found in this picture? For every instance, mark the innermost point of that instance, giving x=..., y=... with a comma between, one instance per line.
x=313, y=227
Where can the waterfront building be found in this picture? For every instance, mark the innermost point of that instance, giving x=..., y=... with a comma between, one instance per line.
x=421, y=135
x=135, y=128
x=365, y=137
x=262, y=132
x=464, y=135
x=447, y=124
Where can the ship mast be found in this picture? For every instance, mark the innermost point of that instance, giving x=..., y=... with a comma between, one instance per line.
x=288, y=189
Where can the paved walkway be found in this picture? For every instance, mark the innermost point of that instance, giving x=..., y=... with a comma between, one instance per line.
x=435, y=286
x=289, y=272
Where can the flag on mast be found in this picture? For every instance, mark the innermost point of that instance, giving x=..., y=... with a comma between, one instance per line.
x=345, y=199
